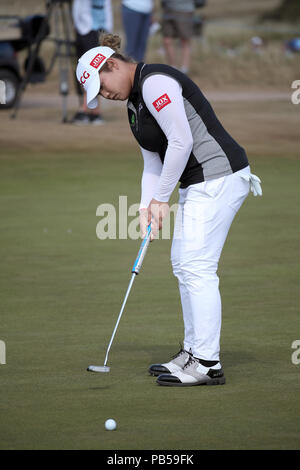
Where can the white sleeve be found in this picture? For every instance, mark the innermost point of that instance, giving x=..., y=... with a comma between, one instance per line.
x=163, y=97
x=150, y=177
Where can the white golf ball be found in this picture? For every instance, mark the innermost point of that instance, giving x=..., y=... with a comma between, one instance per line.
x=110, y=425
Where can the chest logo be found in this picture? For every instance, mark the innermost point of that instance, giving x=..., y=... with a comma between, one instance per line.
x=161, y=102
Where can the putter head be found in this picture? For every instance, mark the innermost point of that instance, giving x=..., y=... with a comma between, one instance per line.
x=98, y=369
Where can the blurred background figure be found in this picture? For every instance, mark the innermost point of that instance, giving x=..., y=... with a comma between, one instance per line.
x=293, y=45
x=91, y=18
x=137, y=19
x=177, y=23
x=257, y=44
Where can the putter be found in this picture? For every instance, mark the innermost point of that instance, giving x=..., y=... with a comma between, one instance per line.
x=135, y=271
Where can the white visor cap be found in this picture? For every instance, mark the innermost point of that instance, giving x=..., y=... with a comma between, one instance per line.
x=87, y=72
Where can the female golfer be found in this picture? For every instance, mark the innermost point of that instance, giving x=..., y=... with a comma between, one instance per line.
x=181, y=139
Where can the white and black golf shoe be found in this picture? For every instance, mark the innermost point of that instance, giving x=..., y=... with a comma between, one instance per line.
x=193, y=373
x=176, y=364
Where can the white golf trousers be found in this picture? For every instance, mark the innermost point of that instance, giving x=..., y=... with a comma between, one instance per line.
x=205, y=213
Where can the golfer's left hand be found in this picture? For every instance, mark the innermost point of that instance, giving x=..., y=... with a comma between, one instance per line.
x=143, y=222
x=157, y=210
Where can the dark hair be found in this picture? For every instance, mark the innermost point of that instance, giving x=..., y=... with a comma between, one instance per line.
x=114, y=42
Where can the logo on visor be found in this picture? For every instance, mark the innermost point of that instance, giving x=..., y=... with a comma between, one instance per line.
x=97, y=60
x=161, y=102
x=84, y=77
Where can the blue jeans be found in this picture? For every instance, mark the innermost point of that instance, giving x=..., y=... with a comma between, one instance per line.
x=136, y=26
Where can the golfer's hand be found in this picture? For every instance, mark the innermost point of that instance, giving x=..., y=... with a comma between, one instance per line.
x=157, y=210
x=143, y=222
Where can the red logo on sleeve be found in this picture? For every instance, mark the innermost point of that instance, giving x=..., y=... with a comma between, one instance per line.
x=97, y=60
x=161, y=102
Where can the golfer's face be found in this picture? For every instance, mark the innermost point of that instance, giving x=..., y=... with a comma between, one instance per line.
x=115, y=85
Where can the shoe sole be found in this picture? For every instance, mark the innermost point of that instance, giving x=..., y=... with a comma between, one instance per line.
x=217, y=381
x=156, y=374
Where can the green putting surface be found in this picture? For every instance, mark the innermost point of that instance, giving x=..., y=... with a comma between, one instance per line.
x=61, y=293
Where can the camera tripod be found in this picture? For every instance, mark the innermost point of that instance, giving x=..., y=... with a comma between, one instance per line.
x=60, y=11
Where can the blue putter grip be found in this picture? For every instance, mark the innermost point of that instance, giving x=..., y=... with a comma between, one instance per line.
x=142, y=251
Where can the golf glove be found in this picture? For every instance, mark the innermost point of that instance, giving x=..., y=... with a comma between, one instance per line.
x=254, y=181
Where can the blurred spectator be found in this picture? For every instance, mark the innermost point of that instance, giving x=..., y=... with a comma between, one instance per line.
x=293, y=45
x=137, y=18
x=91, y=17
x=257, y=44
x=177, y=23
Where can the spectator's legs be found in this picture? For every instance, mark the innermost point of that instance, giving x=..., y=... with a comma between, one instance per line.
x=170, y=51
x=142, y=38
x=131, y=23
x=186, y=55
x=83, y=44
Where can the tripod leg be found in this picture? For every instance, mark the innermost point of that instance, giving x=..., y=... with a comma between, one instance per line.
x=63, y=72
x=32, y=59
x=63, y=63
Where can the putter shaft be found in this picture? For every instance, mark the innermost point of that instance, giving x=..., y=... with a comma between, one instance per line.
x=135, y=271
x=119, y=317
